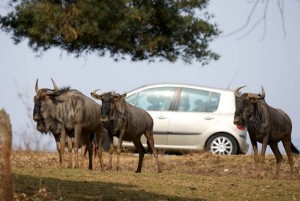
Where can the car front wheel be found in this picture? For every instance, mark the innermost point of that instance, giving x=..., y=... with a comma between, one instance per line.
x=222, y=144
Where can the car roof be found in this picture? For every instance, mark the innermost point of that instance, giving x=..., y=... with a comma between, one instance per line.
x=179, y=85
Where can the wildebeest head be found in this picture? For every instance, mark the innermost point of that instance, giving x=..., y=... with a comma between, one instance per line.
x=109, y=100
x=245, y=106
x=40, y=103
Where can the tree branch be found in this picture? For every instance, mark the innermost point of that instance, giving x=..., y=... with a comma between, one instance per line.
x=263, y=18
x=280, y=4
x=247, y=21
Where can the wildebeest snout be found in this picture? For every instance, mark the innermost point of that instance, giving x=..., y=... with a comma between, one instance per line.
x=237, y=120
x=41, y=127
x=36, y=117
x=104, y=118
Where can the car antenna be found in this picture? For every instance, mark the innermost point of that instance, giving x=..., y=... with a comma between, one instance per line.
x=233, y=77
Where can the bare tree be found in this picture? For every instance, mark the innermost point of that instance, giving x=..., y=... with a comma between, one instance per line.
x=30, y=137
x=251, y=23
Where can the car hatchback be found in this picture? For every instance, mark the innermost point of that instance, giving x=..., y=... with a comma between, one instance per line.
x=190, y=117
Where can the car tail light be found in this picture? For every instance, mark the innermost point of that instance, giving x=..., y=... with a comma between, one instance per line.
x=240, y=127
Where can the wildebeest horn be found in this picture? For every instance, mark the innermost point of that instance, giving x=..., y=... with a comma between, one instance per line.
x=236, y=91
x=95, y=91
x=94, y=95
x=37, y=86
x=55, y=86
x=262, y=96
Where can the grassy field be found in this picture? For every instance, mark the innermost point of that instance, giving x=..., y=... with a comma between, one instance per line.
x=194, y=176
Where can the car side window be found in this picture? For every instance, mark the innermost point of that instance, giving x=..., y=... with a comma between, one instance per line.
x=131, y=99
x=155, y=99
x=193, y=100
x=214, y=102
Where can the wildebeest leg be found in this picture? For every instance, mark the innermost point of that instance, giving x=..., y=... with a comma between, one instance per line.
x=111, y=150
x=87, y=142
x=122, y=132
x=63, y=137
x=83, y=154
x=58, y=147
x=262, y=155
x=149, y=136
x=99, y=139
x=95, y=154
x=70, y=148
x=77, y=131
x=140, y=148
x=256, y=157
x=287, y=146
x=278, y=156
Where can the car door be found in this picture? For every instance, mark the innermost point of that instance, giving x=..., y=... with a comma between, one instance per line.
x=157, y=102
x=191, y=118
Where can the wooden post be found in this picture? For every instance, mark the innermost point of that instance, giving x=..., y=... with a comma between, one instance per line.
x=6, y=181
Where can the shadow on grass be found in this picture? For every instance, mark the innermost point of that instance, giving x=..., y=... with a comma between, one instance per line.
x=88, y=190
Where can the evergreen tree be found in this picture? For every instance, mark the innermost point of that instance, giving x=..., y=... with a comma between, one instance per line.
x=141, y=29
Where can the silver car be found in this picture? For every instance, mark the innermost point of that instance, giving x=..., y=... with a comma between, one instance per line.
x=189, y=117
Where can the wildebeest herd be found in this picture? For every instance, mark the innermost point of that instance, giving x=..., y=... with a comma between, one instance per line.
x=73, y=117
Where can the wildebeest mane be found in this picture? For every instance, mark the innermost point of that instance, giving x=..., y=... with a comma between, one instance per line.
x=64, y=89
x=60, y=91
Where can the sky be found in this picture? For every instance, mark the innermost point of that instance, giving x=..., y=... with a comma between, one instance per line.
x=264, y=57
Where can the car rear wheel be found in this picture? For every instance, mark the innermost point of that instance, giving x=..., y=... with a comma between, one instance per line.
x=222, y=144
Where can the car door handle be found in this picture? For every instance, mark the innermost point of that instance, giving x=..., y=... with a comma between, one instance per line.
x=208, y=118
x=161, y=117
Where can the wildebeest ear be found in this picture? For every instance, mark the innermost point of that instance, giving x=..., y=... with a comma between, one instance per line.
x=253, y=100
x=53, y=93
x=119, y=97
x=124, y=95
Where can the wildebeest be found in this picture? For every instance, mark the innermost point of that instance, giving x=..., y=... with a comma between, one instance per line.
x=67, y=112
x=55, y=129
x=266, y=125
x=128, y=123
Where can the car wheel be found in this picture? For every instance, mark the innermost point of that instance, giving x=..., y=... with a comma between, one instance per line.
x=222, y=144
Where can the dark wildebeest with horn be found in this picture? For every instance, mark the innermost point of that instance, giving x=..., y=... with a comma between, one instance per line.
x=128, y=123
x=266, y=125
x=67, y=112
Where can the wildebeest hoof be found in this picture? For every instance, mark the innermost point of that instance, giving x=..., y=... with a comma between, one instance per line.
x=260, y=176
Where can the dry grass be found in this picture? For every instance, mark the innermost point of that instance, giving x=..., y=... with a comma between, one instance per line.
x=194, y=176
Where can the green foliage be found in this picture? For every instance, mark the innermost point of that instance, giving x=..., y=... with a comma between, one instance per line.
x=141, y=29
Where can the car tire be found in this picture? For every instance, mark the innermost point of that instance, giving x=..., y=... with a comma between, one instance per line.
x=222, y=144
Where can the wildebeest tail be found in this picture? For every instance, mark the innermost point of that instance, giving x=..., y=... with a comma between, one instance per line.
x=295, y=150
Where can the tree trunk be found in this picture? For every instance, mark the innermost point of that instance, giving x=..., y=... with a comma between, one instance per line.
x=6, y=182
